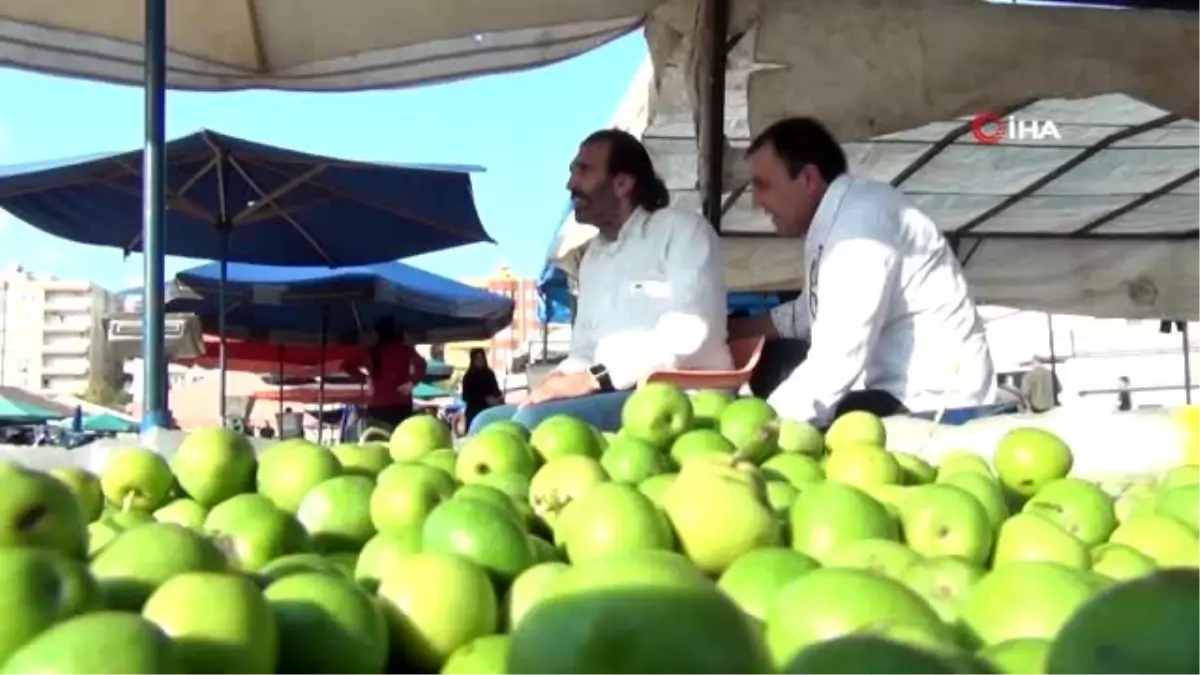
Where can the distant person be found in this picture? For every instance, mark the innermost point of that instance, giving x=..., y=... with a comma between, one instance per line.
x=651, y=290
x=1040, y=387
x=393, y=368
x=1124, y=395
x=266, y=430
x=480, y=389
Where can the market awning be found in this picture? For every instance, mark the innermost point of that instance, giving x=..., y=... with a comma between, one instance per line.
x=18, y=406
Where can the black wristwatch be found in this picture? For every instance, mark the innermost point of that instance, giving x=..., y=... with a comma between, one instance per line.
x=600, y=372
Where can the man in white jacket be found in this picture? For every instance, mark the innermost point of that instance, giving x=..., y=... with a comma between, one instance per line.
x=886, y=311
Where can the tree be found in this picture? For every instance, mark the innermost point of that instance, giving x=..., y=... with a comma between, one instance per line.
x=100, y=392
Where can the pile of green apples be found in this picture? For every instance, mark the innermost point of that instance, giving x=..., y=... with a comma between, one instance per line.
x=707, y=536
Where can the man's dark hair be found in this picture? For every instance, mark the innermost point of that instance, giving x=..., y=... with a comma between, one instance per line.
x=627, y=155
x=800, y=141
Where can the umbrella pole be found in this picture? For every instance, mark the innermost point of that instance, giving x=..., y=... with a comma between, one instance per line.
x=281, y=386
x=1187, y=363
x=321, y=384
x=1053, y=356
x=154, y=362
x=222, y=355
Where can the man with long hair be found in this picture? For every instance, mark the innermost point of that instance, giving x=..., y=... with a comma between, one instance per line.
x=651, y=289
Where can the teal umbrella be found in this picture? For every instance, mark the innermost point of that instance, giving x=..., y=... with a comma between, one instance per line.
x=425, y=390
x=18, y=406
x=106, y=423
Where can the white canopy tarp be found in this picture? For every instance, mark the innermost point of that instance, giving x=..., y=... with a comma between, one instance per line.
x=1101, y=222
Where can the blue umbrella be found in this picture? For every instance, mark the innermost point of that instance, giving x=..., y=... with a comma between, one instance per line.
x=235, y=200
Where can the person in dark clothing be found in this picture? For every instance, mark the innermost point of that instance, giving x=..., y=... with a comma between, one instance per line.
x=1124, y=396
x=480, y=390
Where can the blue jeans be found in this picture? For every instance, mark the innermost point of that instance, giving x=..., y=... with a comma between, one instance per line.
x=602, y=411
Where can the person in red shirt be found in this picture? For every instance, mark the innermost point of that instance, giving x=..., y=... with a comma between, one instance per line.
x=392, y=367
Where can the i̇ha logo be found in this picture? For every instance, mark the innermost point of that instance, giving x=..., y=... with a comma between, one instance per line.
x=990, y=129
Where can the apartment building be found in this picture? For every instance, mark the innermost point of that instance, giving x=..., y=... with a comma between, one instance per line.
x=513, y=341
x=52, y=335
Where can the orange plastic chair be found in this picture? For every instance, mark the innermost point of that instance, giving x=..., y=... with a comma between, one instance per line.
x=745, y=353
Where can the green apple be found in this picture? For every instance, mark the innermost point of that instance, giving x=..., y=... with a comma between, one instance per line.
x=756, y=578
x=914, y=470
x=418, y=435
x=871, y=654
x=1141, y=626
x=219, y=622
x=939, y=520
x=1077, y=506
x=86, y=488
x=528, y=589
x=184, y=512
x=214, y=464
x=752, y=426
x=831, y=602
x=636, y=598
x=801, y=437
x=985, y=489
x=489, y=453
x=327, y=624
x=405, y=493
x=862, y=465
x=563, y=435
x=508, y=427
x=699, y=442
x=718, y=515
x=1120, y=562
x=102, y=532
x=136, y=479
x=287, y=470
x=39, y=511
x=795, y=468
x=1179, y=476
x=1181, y=503
x=943, y=581
x=631, y=461
x=1134, y=500
x=561, y=481
x=337, y=513
x=487, y=654
x=1167, y=541
x=224, y=515
x=612, y=519
x=381, y=553
x=487, y=535
x=657, y=413
x=856, y=428
x=1029, y=537
x=1024, y=600
x=298, y=563
x=707, y=406
x=828, y=515
x=962, y=460
x=442, y=458
x=655, y=486
x=254, y=538
x=434, y=604
x=99, y=642
x=511, y=483
x=1027, y=458
x=780, y=496
x=366, y=459
x=1022, y=656
x=41, y=588
x=496, y=497
x=143, y=557
x=882, y=556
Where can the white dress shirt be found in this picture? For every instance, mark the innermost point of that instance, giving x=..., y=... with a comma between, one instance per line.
x=885, y=307
x=652, y=299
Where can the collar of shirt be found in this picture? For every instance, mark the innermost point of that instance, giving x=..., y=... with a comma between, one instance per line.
x=827, y=210
x=633, y=229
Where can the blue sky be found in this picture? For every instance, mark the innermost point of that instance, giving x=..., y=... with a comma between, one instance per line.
x=523, y=127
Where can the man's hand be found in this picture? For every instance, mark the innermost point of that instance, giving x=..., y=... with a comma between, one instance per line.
x=559, y=386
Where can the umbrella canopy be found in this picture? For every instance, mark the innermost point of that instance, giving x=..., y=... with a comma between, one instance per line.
x=284, y=44
x=18, y=406
x=425, y=390
x=288, y=305
x=104, y=423
x=278, y=206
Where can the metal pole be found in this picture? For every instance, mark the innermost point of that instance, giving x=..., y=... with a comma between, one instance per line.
x=1053, y=357
x=321, y=383
x=154, y=362
x=1187, y=363
x=3, y=327
x=222, y=353
x=711, y=134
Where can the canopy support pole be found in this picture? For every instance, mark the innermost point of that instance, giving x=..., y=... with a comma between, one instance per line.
x=1187, y=362
x=713, y=53
x=281, y=388
x=154, y=363
x=1053, y=356
x=222, y=352
x=321, y=383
